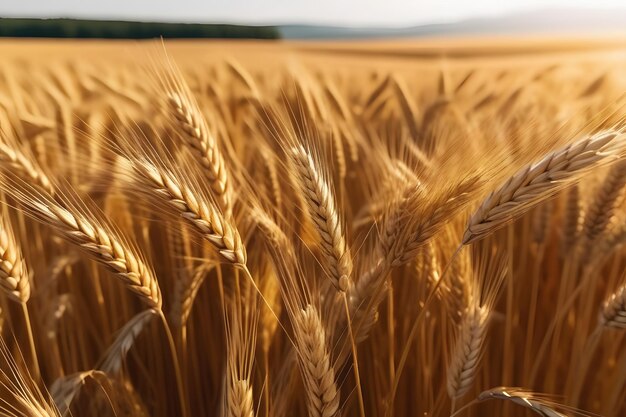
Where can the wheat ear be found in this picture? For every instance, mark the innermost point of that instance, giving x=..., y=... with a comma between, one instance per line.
x=185, y=294
x=317, y=370
x=613, y=312
x=108, y=248
x=600, y=210
x=240, y=400
x=490, y=270
x=418, y=214
x=323, y=211
x=23, y=167
x=14, y=281
x=64, y=389
x=199, y=212
x=116, y=354
x=198, y=137
x=95, y=236
x=541, y=180
x=13, y=273
x=520, y=397
x=467, y=351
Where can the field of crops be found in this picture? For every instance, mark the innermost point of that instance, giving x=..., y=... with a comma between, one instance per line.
x=392, y=228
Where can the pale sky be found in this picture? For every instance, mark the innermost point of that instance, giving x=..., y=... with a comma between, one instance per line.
x=342, y=12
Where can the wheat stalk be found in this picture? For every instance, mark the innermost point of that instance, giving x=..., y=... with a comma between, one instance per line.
x=272, y=172
x=409, y=110
x=541, y=180
x=21, y=395
x=541, y=223
x=571, y=219
x=243, y=76
x=318, y=373
x=416, y=216
x=376, y=93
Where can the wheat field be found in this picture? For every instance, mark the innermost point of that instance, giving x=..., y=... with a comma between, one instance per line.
x=241, y=229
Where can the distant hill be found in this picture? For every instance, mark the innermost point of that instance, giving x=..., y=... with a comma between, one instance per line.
x=77, y=28
x=548, y=21
x=555, y=21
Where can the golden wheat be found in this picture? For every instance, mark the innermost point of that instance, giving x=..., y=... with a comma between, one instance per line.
x=356, y=229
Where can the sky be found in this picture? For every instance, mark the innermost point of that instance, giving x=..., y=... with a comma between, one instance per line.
x=394, y=13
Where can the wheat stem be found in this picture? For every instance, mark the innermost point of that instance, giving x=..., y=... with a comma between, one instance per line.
x=175, y=363
x=31, y=342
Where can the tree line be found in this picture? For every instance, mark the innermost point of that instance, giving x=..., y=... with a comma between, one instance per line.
x=78, y=28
